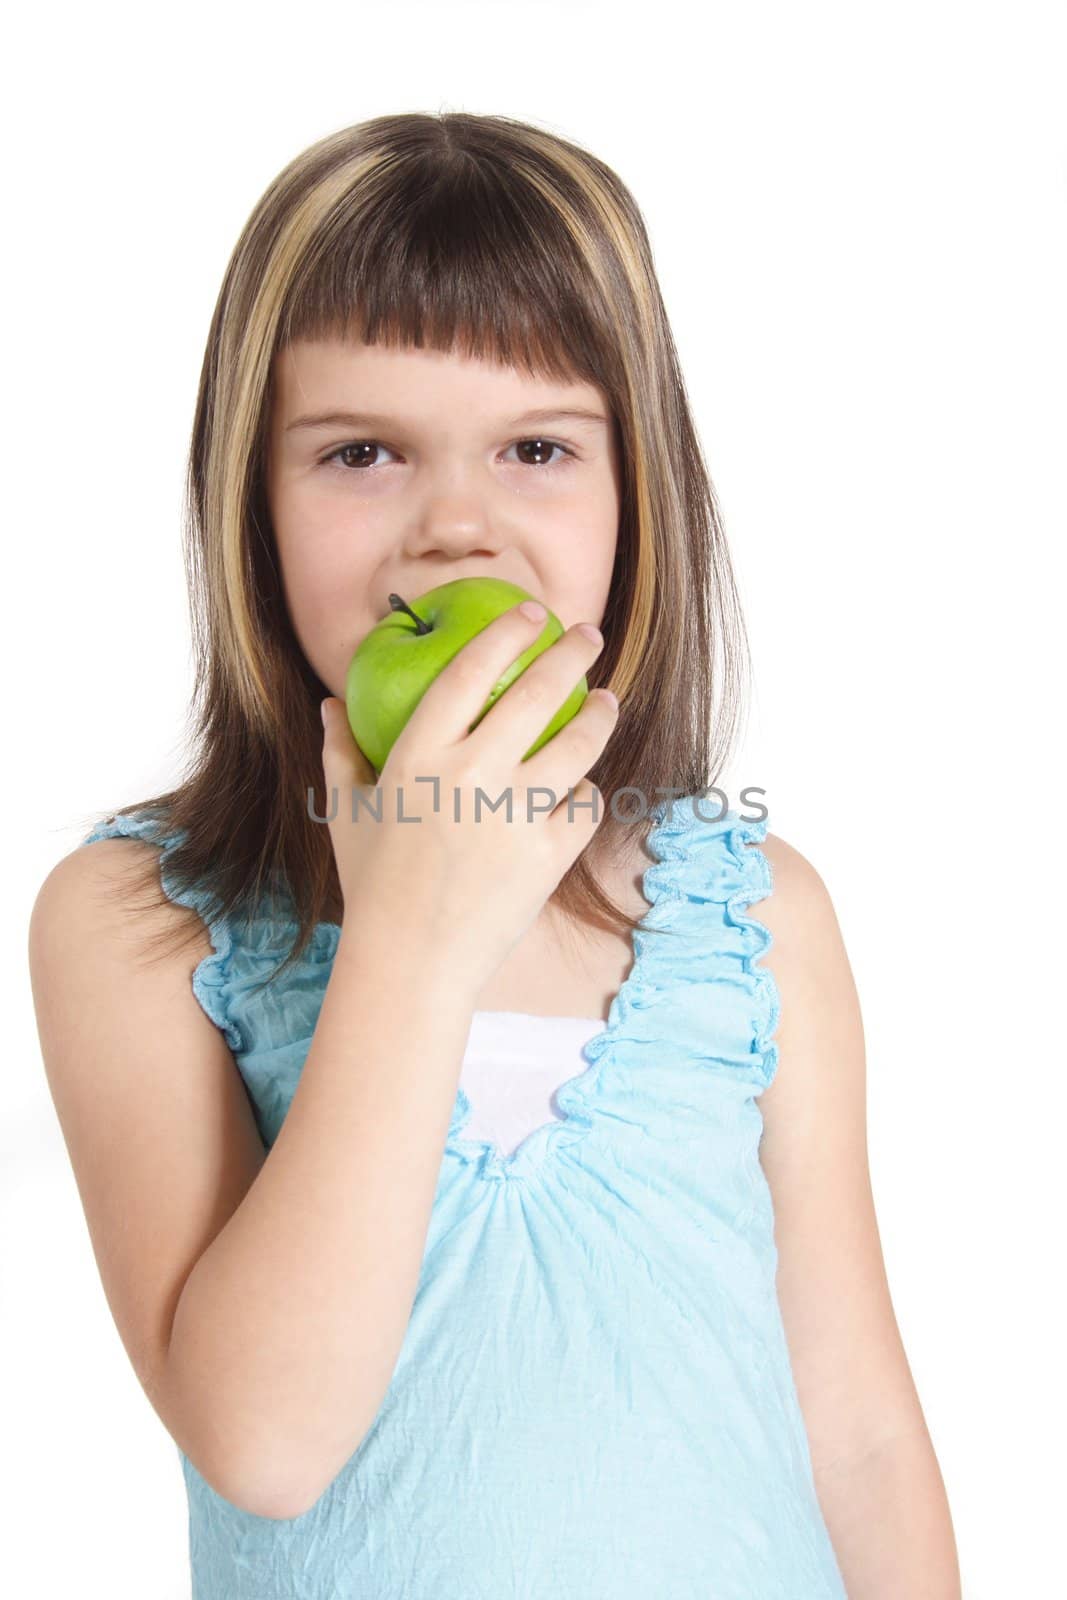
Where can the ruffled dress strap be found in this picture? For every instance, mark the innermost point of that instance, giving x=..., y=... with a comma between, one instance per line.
x=702, y=979
x=212, y=977
x=712, y=870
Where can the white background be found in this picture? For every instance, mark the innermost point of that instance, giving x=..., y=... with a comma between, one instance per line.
x=858, y=220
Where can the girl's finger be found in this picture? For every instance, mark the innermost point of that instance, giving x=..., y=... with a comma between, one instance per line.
x=340, y=752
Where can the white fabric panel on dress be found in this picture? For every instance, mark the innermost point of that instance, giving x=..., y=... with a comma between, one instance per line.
x=513, y=1064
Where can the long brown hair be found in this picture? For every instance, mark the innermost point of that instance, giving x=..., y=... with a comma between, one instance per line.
x=494, y=238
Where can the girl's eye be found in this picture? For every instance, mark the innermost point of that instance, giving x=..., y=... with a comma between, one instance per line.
x=358, y=446
x=543, y=447
x=356, y=449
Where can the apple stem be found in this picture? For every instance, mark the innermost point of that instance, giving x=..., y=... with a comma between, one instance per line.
x=397, y=604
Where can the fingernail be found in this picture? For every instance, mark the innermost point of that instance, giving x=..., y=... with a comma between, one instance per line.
x=594, y=635
x=322, y=708
x=534, y=610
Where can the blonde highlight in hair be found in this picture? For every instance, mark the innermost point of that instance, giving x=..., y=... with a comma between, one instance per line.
x=491, y=238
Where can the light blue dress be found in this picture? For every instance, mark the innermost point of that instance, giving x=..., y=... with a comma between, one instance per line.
x=593, y=1399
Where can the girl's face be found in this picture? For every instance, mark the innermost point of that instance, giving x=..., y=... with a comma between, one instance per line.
x=398, y=470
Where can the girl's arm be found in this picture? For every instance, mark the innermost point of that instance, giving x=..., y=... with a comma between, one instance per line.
x=876, y=1474
x=262, y=1298
x=291, y=1323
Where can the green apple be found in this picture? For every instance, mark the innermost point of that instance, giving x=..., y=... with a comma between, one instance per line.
x=400, y=657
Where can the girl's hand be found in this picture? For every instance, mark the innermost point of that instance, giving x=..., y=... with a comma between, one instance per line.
x=475, y=885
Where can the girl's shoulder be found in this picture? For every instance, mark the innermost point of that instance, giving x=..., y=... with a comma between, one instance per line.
x=798, y=900
x=237, y=954
x=813, y=979
x=107, y=879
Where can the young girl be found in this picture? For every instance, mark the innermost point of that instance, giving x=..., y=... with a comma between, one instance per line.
x=453, y=1207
